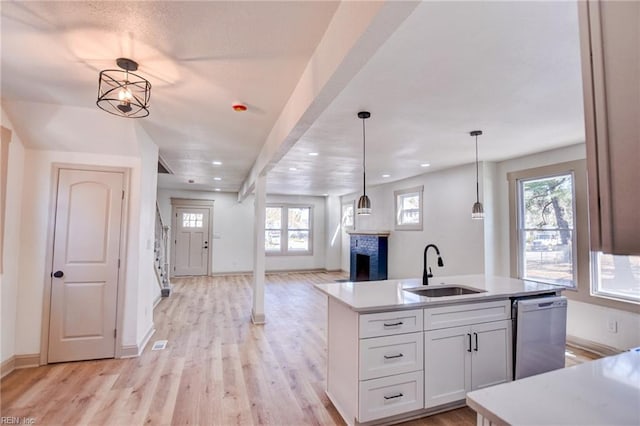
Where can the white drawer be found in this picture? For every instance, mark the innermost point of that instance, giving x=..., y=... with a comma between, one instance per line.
x=389, y=396
x=467, y=314
x=388, y=323
x=387, y=355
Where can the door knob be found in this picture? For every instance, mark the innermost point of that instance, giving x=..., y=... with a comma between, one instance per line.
x=58, y=274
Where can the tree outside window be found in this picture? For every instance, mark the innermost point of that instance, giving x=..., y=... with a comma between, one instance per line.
x=546, y=229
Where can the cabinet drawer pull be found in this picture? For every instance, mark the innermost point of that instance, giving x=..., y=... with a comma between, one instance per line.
x=476, y=347
x=469, y=336
x=393, y=324
x=398, y=395
x=393, y=356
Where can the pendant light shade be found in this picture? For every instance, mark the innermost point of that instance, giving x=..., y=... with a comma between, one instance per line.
x=123, y=93
x=477, y=211
x=364, y=204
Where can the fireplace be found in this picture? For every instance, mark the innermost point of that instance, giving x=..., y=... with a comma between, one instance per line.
x=363, y=265
x=368, y=256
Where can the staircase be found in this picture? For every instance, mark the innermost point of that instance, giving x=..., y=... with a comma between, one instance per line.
x=161, y=262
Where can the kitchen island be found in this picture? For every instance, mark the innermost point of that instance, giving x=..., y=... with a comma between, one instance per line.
x=394, y=355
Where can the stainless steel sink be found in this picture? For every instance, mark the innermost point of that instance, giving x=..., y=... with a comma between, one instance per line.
x=442, y=291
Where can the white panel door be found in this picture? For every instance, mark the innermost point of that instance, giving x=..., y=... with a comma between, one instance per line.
x=191, y=241
x=491, y=359
x=447, y=365
x=84, y=282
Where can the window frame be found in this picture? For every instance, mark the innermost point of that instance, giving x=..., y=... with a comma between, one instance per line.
x=522, y=229
x=284, y=230
x=604, y=294
x=348, y=204
x=419, y=190
x=583, y=290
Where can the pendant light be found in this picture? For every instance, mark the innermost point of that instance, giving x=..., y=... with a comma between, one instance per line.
x=477, y=212
x=364, y=204
x=123, y=93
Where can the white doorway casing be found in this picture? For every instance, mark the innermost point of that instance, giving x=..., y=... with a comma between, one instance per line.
x=191, y=237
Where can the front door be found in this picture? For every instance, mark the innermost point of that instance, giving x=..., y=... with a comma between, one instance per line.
x=84, y=279
x=191, y=241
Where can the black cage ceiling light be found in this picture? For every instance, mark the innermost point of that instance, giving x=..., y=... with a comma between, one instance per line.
x=123, y=93
x=477, y=211
x=364, y=204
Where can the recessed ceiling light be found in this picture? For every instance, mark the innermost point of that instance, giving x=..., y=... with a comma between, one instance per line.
x=325, y=195
x=217, y=189
x=292, y=169
x=386, y=175
x=425, y=165
x=217, y=178
x=217, y=163
x=313, y=154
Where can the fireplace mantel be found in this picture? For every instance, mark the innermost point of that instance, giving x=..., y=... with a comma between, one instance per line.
x=378, y=233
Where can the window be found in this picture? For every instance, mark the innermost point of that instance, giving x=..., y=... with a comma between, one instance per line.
x=616, y=277
x=347, y=216
x=409, y=209
x=192, y=220
x=546, y=237
x=288, y=230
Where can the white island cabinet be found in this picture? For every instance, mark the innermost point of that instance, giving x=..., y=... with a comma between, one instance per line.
x=474, y=355
x=393, y=355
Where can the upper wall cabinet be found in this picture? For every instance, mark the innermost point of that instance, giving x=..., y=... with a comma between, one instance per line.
x=610, y=43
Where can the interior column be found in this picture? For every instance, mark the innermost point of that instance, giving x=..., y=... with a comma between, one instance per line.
x=257, y=311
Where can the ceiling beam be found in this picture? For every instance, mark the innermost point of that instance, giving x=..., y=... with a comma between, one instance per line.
x=354, y=34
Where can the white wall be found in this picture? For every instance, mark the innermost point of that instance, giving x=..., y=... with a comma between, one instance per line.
x=37, y=180
x=148, y=288
x=590, y=322
x=10, y=273
x=232, y=249
x=448, y=198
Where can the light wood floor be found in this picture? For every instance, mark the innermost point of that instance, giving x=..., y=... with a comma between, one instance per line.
x=218, y=368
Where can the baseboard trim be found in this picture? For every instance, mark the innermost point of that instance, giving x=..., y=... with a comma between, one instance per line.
x=158, y=299
x=7, y=366
x=145, y=340
x=129, y=351
x=133, y=351
x=588, y=345
x=276, y=271
x=17, y=362
x=257, y=319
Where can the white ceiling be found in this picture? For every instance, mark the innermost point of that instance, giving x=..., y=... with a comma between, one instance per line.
x=511, y=69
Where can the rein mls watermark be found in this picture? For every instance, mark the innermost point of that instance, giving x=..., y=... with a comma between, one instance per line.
x=11, y=420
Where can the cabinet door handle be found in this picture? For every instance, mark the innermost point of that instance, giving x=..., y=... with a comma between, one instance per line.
x=476, y=337
x=393, y=324
x=469, y=336
x=393, y=356
x=398, y=395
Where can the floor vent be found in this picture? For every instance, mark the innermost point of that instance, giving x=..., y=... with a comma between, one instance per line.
x=159, y=345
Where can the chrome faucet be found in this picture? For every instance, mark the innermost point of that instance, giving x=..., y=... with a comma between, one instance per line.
x=426, y=275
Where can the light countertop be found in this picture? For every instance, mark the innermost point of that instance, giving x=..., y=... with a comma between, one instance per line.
x=601, y=392
x=371, y=296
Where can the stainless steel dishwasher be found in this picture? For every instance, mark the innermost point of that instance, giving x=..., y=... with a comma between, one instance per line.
x=541, y=334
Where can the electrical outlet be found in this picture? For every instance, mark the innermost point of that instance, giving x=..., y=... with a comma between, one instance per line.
x=612, y=326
